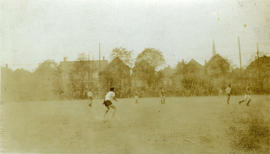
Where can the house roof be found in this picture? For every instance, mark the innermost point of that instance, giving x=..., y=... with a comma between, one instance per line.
x=195, y=63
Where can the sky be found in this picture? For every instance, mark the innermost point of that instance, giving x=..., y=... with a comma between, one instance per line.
x=32, y=31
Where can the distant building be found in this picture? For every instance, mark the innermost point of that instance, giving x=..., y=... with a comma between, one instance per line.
x=193, y=67
x=90, y=80
x=117, y=75
x=217, y=66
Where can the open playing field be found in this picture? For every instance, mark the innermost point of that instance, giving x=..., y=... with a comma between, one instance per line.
x=182, y=125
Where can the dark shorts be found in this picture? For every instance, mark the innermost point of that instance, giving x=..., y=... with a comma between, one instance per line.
x=107, y=103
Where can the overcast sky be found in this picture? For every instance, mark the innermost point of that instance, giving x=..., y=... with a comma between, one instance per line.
x=35, y=30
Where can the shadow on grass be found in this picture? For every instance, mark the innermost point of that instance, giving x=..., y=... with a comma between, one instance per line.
x=248, y=128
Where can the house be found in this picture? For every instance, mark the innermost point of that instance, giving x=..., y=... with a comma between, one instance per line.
x=217, y=66
x=77, y=73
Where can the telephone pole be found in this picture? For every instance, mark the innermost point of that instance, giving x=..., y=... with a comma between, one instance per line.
x=88, y=70
x=239, y=48
x=98, y=56
x=99, y=88
x=259, y=81
x=258, y=51
x=213, y=49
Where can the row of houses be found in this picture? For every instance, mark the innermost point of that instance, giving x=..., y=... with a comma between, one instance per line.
x=84, y=72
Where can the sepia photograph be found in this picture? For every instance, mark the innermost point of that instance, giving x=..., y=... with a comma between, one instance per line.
x=135, y=76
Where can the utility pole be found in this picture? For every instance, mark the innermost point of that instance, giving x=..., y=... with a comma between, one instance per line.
x=98, y=56
x=99, y=67
x=258, y=51
x=239, y=48
x=259, y=82
x=88, y=70
x=213, y=49
x=1, y=84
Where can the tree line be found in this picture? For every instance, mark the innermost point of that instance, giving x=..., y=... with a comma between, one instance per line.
x=146, y=74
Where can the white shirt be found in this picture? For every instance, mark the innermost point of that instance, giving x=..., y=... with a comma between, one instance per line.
x=90, y=94
x=228, y=90
x=109, y=96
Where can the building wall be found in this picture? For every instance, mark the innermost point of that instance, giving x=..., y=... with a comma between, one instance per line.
x=91, y=77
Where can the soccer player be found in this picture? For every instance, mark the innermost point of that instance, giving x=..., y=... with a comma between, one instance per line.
x=90, y=97
x=228, y=92
x=162, y=96
x=109, y=97
x=136, y=97
x=247, y=97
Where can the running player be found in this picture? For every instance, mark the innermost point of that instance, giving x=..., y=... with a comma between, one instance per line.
x=228, y=92
x=247, y=97
x=90, y=97
x=162, y=96
x=109, y=97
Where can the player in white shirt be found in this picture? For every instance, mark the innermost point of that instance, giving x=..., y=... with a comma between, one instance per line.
x=109, y=97
x=90, y=97
x=247, y=97
x=136, y=97
x=162, y=96
x=228, y=93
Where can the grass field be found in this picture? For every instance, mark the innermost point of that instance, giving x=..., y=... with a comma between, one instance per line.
x=183, y=125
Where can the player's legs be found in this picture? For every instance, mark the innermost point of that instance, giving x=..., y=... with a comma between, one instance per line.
x=228, y=98
x=248, y=102
x=136, y=99
x=107, y=105
x=114, y=110
x=241, y=101
x=90, y=101
x=163, y=99
x=108, y=109
x=248, y=99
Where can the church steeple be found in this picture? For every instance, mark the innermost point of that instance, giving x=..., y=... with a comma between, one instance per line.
x=213, y=49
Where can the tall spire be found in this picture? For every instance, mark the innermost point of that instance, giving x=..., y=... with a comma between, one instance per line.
x=99, y=56
x=239, y=48
x=214, y=48
x=258, y=50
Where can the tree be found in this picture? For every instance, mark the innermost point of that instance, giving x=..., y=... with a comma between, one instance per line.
x=178, y=76
x=123, y=54
x=24, y=84
x=46, y=78
x=259, y=74
x=218, y=70
x=217, y=66
x=165, y=79
x=189, y=79
x=116, y=74
x=79, y=76
x=16, y=85
x=153, y=56
x=144, y=72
